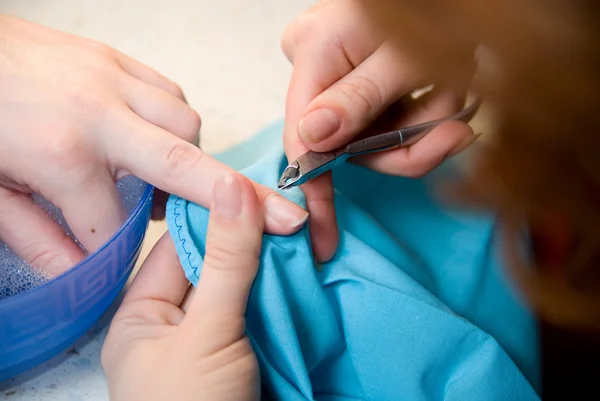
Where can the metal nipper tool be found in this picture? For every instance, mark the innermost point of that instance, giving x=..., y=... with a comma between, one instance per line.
x=312, y=164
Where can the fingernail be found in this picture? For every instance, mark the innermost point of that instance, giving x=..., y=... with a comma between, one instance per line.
x=227, y=197
x=465, y=143
x=284, y=212
x=319, y=125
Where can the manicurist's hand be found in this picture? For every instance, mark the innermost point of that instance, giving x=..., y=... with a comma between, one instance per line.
x=163, y=345
x=349, y=79
x=75, y=116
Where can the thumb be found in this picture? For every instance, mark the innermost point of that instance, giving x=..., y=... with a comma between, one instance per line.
x=350, y=105
x=216, y=312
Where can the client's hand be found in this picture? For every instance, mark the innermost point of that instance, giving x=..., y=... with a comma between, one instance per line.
x=158, y=348
x=347, y=76
x=75, y=116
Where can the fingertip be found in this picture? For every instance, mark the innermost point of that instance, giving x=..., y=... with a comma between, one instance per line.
x=324, y=243
x=441, y=140
x=282, y=216
x=464, y=144
x=457, y=130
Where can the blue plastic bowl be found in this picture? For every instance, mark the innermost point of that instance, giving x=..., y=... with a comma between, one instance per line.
x=38, y=324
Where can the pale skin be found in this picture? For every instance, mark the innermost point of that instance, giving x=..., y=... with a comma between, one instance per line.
x=319, y=63
x=75, y=116
x=91, y=115
x=161, y=347
x=347, y=70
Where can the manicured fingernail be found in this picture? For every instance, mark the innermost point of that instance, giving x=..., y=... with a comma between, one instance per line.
x=319, y=125
x=227, y=197
x=284, y=212
x=468, y=141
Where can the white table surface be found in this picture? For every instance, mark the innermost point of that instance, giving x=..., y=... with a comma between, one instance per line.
x=226, y=57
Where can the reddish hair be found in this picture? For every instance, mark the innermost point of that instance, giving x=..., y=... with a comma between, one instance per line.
x=543, y=161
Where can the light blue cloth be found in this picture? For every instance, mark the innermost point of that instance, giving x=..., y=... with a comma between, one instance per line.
x=414, y=306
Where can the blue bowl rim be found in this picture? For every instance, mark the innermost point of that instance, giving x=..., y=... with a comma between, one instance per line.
x=132, y=216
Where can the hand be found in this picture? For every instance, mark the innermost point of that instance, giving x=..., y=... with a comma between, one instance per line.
x=75, y=116
x=349, y=77
x=157, y=351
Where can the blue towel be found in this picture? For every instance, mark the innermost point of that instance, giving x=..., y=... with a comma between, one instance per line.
x=414, y=306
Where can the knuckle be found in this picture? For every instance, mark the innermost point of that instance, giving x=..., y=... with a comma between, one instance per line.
x=180, y=157
x=90, y=105
x=66, y=150
x=221, y=258
x=231, y=323
x=239, y=353
x=248, y=366
x=362, y=90
x=101, y=48
x=227, y=250
x=43, y=254
x=91, y=96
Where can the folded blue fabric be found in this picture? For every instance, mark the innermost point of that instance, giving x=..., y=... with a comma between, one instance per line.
x=414, y=306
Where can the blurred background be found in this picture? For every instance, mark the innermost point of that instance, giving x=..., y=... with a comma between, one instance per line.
x=226, y=57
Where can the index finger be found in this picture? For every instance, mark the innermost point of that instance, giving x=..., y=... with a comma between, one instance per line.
x=178, y=167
